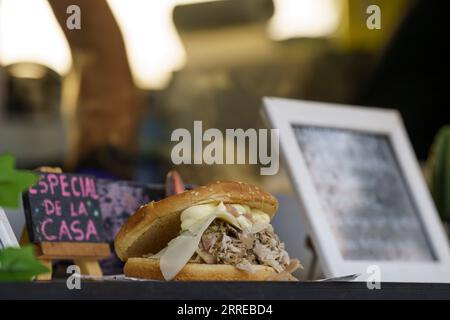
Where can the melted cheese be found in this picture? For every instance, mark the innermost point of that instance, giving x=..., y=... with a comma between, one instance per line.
x=193, y=214
x=196, y=213
x=194, y=222
x=180, y=250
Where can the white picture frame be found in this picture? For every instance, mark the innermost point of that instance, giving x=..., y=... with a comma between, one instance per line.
x=7, y=237
x=283, y=114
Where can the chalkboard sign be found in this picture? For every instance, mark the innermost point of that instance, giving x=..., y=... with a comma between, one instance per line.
x=64, y=208
x=361, y=191
x=364, y=195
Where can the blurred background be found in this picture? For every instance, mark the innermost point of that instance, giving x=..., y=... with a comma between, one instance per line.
x=104, y=99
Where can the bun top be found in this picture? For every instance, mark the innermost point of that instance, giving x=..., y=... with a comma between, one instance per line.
x=155, y=224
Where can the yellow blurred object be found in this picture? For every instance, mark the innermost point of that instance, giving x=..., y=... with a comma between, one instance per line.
x=30, y=33
x=353, y=33
x=153, y=46
x=304, y=19
x=27, y=70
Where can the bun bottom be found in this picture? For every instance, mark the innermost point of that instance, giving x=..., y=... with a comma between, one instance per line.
x=145, y=268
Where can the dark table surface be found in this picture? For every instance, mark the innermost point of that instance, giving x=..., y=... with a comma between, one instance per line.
x=221, y=290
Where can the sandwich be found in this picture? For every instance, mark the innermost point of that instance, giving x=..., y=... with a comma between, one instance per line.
x=217, y=232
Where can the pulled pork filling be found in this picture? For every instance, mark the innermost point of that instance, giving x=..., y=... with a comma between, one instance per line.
x=223, y=243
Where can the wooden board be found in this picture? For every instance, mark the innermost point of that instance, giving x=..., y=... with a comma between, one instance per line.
x=72, y=250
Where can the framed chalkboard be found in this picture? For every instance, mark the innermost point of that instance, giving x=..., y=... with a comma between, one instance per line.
x=361, y=190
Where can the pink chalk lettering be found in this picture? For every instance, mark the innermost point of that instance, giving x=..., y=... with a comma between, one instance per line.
x=32, y=190
x=44, y=232
x=52, y=208
x=73, y=212
x=83, y=192
x=79, y=234
x=64, y=186
x=49, y=207
x=82, y=211
x=91, y=231
x=43, y=185
x=64, y=231
x=90, y=189
x=53, y=181
x=75, y=192
x=58, y=208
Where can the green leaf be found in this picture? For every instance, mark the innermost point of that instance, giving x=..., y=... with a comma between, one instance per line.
x=440, y=173
x=19, y=264
x=13, y=182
